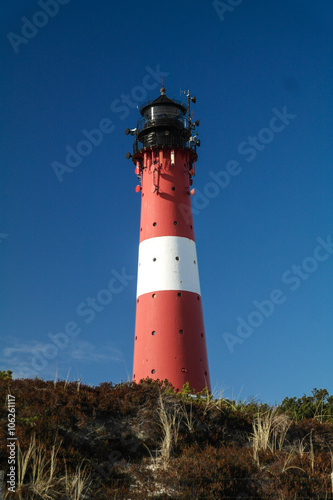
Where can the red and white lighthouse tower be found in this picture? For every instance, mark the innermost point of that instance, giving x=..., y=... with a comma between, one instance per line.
x=170, y=338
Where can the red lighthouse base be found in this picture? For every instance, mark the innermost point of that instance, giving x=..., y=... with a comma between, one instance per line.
x=171, y=346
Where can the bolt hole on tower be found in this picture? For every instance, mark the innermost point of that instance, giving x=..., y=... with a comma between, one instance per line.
x=169, y=330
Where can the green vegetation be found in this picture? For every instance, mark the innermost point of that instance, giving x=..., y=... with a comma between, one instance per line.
x=319, y=405
x=6, y=375
x=135, y=441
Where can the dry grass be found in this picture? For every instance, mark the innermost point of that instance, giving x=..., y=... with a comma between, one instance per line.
x=269, y=432
x=170, y=415
x=300, y=447
x=37, y=475
x=76, y=486
x=42, y=471
x=188, y=416
x=170, y=418
x=312, y=456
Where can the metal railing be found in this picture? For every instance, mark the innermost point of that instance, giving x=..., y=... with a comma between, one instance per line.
x=162, y=141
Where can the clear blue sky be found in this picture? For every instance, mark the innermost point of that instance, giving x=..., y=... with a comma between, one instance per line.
x=63, y=242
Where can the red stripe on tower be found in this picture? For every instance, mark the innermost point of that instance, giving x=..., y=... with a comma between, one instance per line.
x=170, y=338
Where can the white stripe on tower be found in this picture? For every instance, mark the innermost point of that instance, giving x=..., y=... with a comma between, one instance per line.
x=167, y=263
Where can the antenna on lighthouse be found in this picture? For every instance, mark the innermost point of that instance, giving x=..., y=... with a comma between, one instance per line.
x=162, y=89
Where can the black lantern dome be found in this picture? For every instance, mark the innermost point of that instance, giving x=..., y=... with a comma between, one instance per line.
x=163, y=124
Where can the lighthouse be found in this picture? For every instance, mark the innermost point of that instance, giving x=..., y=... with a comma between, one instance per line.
x=170, y=341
